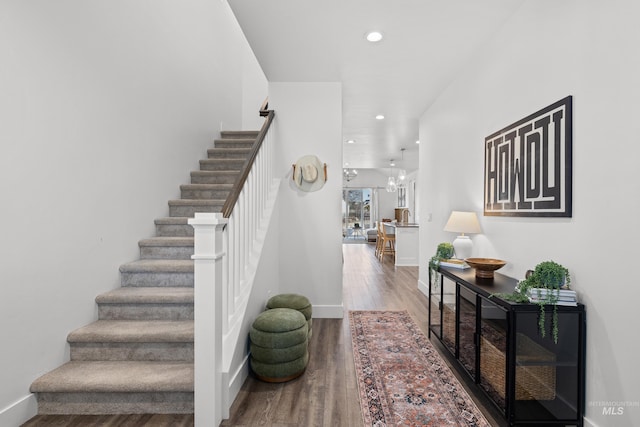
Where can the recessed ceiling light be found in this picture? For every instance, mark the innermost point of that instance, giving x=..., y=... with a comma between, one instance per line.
x=379, y=117
x=374, y=36
x=417, y=142
x=346, y=164
x=351, y=141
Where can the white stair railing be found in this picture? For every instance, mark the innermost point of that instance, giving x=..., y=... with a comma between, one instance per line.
x=225, y=258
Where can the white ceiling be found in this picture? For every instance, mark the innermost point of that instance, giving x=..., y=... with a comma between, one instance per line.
x=426, y=43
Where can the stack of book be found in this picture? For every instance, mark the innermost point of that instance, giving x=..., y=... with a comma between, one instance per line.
x=563, y=296
x=454, y=263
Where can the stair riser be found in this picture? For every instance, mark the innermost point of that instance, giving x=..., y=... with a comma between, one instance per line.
x=115, y=403
x=159, y=352
x=157, y=279
x=166, y=252
x=190, y=211
x=173, y=230
x=234, y=144
x=228, y=153
x=214, y=178
x=220, y=164
x=188, y=193
x=145, y=311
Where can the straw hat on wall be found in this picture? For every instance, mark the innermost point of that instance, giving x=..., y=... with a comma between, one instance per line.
x=309, y=174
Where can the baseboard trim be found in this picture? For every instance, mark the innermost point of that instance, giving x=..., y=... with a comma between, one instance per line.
x=20, y=411
x=328, y=311
x=423, y=287
x=234, y=385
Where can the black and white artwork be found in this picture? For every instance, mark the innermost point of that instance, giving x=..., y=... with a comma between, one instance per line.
x=527, y=165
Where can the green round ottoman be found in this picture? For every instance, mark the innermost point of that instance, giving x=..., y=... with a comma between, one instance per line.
x=278, y=344
x=295, y=302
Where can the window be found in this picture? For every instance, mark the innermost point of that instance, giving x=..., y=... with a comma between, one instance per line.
x=356, y=209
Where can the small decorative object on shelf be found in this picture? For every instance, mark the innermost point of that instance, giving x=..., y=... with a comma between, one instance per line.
x=485, y=266
x=444, y=251
x=454, y=263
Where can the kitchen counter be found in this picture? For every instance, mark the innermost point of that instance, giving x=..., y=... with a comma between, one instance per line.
x=401, y=224
x=407, y=242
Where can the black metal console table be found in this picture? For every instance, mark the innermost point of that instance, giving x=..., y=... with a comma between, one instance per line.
x=530, y=379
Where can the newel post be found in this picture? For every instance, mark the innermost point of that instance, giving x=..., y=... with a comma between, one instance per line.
x=207, y=259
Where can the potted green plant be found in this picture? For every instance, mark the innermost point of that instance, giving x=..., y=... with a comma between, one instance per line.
x=542, y=286
x=443, y=251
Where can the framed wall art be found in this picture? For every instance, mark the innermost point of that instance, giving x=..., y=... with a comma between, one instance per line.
x=527, y=165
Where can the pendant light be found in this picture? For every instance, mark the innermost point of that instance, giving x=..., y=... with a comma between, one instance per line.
x=392, y=183
x=402, y=173
x=349, y=174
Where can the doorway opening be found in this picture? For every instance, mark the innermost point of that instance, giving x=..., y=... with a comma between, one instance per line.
x=357, y=214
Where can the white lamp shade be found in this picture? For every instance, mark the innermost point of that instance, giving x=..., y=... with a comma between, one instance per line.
x=463, y=222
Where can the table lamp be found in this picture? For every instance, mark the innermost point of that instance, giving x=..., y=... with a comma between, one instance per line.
x=463, y=222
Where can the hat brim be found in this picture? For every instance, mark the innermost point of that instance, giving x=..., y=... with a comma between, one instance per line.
x=297, y=173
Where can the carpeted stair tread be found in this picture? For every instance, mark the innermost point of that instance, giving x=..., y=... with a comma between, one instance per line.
x=214, y=177
x=219, y=173
x=188, y=207
x=142, y=331
x=188, y=202
x=166, y=241
x=228, y=152
x=117, y=376
x=173, y=220
x=148, y=295
x=196, y=202
x=222, y=187
x=227, y=142
x=243, y=134
x=158, y=266
x=205, y=191
x=222, y=164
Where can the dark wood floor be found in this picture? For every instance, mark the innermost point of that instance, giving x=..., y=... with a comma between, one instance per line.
x=326, y=395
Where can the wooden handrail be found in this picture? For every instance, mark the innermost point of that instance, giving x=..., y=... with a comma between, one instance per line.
x=264, y=108
x=227, y=208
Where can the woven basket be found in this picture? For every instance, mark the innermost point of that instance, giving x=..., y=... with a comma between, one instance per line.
x=448, y=324
x=533, y=382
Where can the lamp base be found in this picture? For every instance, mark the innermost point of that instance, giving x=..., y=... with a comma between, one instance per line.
x=463, y=245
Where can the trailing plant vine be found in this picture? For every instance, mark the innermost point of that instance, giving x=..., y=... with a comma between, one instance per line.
x=547, y=275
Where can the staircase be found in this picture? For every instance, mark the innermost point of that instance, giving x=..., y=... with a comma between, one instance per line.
x=138, y=357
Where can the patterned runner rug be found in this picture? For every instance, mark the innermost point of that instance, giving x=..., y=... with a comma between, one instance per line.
x=402, y=379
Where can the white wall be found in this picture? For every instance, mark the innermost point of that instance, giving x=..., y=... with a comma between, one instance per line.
x=105, y=108
x=309, y=121
x=254, y=89
x=549, y=50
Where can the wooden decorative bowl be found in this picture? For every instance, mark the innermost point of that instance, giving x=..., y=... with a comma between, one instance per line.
x=485, y=266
